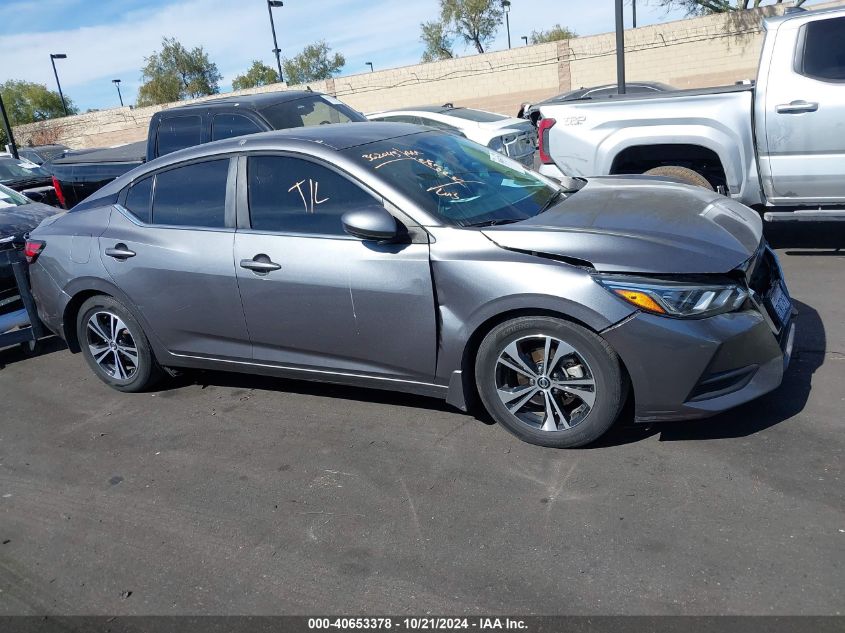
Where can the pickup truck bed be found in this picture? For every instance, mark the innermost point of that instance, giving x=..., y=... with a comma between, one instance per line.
x=81, y=173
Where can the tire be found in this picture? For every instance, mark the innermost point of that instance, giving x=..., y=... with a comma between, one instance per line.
x=112, y=333
x=581, y=358
x=684, y=174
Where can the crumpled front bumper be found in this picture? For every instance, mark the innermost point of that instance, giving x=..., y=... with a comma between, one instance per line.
x=693, y=368
x=685, y=369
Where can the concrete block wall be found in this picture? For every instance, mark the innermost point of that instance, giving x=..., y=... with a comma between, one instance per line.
x=707, y=51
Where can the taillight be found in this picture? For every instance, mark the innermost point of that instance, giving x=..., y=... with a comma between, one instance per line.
x=59, y=193
x=33, y=249
x=543, y=128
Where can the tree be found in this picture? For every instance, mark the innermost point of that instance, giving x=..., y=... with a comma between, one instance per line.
x=176, y=73
x=258, y=75
x=313, y=64
x=474, y=21
x=557, y=32
x=27, y=102
x=703, y=7
x=438, y=44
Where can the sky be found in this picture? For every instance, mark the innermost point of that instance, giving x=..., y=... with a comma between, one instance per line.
x=108, y=39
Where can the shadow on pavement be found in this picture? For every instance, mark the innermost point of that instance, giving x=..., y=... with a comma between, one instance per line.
x=828, y=236
x=301, y=387
x=17, y=353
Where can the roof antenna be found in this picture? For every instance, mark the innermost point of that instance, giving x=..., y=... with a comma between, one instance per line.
x=308, y=89
x=448, y=105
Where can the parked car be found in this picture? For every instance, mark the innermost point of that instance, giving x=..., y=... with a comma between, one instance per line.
x=509, y=136
x=778, y=143
x=532, y=111
x=28, y=178
x=81, y=174
x=18, y=216
x=400, y=257
x=41, y=154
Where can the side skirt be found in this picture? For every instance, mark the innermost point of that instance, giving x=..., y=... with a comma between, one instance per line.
x=313, y=375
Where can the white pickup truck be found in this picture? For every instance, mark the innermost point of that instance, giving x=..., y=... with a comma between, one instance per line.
x=777, y=145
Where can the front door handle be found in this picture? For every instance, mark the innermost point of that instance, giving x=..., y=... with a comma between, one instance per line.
x=260, y=264
x=120, y=251
x=796, y=107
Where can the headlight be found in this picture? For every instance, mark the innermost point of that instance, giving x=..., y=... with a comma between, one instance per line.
x=679, y=299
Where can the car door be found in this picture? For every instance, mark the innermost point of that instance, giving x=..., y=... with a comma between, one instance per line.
x=804, y=114
x=316, y=298
x=169, y=245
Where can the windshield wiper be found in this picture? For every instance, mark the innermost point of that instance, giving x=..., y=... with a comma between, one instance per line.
x=550, y=202
x=493, y=222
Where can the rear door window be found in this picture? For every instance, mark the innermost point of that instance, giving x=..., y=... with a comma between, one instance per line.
x=178, y=132
x=192, y=195
x=229, y=125
x=823, y=54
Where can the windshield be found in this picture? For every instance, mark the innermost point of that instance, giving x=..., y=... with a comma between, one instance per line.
x=12, y=170
x=479, y=116
x=11, y=198
x=460, y=182
x=308, y=111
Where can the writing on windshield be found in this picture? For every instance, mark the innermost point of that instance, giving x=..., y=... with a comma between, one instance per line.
x=443, y=189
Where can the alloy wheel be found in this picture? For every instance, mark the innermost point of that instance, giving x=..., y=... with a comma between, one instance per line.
x=112, y=346
x=545, y=383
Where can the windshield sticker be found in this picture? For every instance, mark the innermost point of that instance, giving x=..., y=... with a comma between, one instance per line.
x=313, y=194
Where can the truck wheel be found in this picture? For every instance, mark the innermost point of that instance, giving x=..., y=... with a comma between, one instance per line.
x=684, y=174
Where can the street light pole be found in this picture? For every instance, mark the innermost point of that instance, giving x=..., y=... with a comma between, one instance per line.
x=53, y=58
x=116, y=82
x=524, y=38
x=370, y=64
x=620, y=48
x=634, y=7
x=276, y=50
x=506, y=7
x=8, y=128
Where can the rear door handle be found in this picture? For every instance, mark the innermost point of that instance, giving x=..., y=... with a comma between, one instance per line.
x=120, y=251
x=260, y=264
x=796, y=107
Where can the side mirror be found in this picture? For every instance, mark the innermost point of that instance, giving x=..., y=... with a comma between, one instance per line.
x=370, y=223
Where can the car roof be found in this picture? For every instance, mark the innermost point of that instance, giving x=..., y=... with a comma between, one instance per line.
x=253, y=101
x=338, y=136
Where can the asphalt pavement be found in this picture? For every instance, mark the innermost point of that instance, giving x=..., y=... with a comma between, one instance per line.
x=231, y=494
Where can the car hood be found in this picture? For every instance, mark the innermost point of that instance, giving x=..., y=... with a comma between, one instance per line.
x=18, y=220
x=640, y=225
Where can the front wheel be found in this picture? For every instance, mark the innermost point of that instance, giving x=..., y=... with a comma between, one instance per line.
x=549, y=382
x=114, y=345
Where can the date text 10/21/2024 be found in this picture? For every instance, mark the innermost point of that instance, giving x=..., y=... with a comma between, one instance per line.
x=421, y=623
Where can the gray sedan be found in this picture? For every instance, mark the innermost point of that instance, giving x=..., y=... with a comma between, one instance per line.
x=393, y=256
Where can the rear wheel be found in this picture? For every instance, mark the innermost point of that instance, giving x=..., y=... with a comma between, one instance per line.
x=114, y=345
x=684, y=174
x=549, y=382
